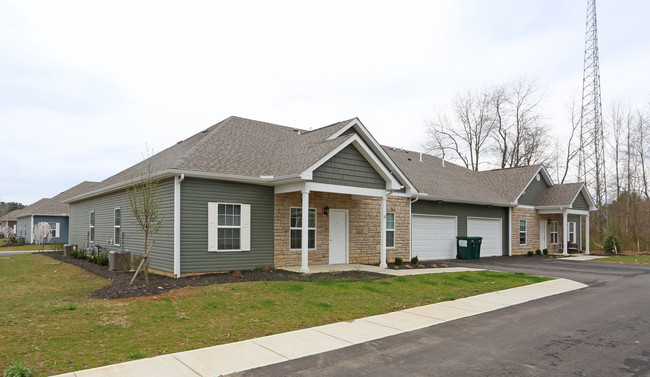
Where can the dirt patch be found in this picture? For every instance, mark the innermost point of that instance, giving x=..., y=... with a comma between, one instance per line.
x=413, y=266
x=119, y=288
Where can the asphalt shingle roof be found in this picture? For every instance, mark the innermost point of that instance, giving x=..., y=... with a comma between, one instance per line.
x=510, y=182
x=560, y=195
x=242, y=147
x=55, y=205
x=11, y=216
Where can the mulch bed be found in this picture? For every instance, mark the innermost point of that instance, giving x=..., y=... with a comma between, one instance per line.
x=412, y=266
x=160, y=284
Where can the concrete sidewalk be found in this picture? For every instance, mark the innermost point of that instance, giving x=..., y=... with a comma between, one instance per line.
x=584, y=258
x=236, y=357
x=314, y=269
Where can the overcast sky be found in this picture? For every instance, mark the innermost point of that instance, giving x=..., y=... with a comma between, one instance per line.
x=85, y=86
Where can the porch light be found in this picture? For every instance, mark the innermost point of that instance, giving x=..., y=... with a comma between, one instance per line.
x=326, y=210
x=549, y=221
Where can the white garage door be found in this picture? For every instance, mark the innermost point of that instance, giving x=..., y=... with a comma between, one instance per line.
x=490, y=230
x=434, y=237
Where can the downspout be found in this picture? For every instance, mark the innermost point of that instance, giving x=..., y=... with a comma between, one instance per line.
x=411, y=225
x=177, y=224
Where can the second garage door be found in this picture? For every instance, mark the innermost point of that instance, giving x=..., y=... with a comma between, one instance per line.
x=490, y=230
x=434, y=237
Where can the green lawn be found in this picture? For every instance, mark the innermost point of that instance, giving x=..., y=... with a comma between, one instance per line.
x=25, y=247
x=640, y=259
x=48, y=322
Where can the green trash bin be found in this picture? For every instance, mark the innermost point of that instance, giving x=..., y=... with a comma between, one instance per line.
x=463, y=248
x=476, y=247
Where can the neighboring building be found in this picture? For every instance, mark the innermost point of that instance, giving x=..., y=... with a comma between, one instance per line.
x=10, y=219
x=50, y=210
x=234, y=194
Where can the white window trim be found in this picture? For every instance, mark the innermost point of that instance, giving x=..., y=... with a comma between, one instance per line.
x=244, y=226
x=390, y=230
x=91, y=226
x=525, y=232
x=308, y=229
x=556, y=232
x=571, y=232
x=117, y=226
x=56, y=229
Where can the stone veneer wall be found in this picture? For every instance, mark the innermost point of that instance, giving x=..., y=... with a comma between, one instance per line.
x=532, y=230
x=364, y=227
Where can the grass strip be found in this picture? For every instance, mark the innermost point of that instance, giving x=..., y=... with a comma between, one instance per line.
x=50, y=324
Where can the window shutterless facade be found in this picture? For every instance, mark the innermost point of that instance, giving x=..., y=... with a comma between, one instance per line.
x=390, y=229
x=117, y=225
x=296, y=228
x=229, y=227
x=91, y=231
x=554, y=232
x=522, y=232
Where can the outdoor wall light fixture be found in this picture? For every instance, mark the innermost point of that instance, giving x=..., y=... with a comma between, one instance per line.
x=326, y=210
x=549, y=221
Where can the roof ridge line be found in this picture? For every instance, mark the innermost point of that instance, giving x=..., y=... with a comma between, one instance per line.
x=193, y=149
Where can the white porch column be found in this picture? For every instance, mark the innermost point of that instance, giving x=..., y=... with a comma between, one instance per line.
x=382, y=261
x=565, y=233
x=587, y=234
x=304, y=268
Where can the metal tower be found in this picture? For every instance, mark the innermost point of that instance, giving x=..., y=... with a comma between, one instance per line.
x=591, y=160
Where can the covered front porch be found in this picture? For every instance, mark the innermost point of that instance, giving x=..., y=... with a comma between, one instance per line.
x=562, y=229
x=344, y=225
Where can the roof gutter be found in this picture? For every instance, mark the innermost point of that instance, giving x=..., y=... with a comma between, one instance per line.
x=456, y=200
x=170, y=173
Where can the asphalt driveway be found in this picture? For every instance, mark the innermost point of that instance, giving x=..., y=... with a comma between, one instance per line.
x=602, y=330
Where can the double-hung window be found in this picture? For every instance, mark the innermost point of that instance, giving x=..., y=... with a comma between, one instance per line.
x=117, y=225
x=229, y=227
x=91, y=231
x=296, y=228
x=390, y=229
x=54, y=229
x=554, y=232
x=572, y=232
x=522, y=232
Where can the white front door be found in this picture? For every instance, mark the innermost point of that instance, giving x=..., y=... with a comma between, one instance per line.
x=542, y=235
x=338, y=236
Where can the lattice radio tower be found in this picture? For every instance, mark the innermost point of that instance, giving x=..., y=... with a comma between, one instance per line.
x=591, y=160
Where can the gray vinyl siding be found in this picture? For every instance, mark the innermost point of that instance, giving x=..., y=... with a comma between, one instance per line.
x=533, y=192
x=349, y=168
x=24, y=228
x=462, y=212
x=580, y=203
x=195, y=196
x=162, y=253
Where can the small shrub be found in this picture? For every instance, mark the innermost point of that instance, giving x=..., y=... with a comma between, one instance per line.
x=398, y=261
x=414, y=260
x=102, y=259
x=538, y=252
x=545, y=251
x=530, y=253
x=17, y=369
x=610, y=241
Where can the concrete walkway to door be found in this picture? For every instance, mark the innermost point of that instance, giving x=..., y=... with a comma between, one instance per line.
x=318, y=268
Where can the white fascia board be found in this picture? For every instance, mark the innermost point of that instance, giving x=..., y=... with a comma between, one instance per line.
x=542, y=171
x=460, y=201
x=377, y=149
x=289, y=187
x=585, y=193
x=391, y=182
x=349, y=190
x=194, y=174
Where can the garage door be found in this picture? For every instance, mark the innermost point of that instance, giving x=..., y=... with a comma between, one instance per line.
x=433, y=237
x=491, y=231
